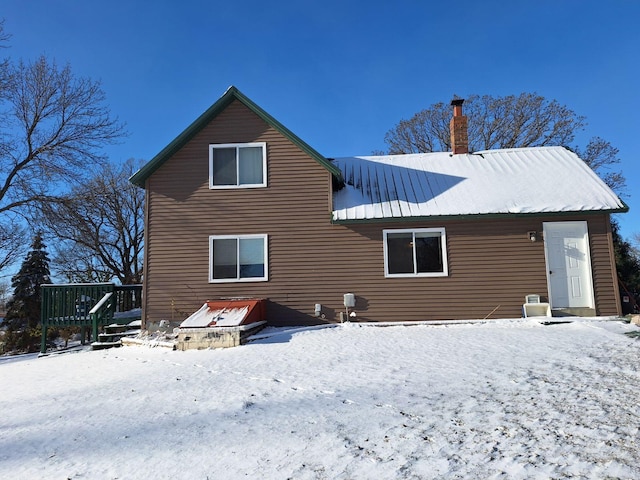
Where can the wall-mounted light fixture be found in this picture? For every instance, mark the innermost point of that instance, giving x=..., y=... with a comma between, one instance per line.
x=533, y=236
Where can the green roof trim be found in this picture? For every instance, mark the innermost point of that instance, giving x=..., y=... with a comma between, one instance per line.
x=477, y=216
x=139, y=178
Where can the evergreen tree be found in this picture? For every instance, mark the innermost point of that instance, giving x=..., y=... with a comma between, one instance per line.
x=627, y=261
x=23, y=310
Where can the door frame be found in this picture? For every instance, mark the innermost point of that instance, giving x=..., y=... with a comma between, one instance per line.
x=546, y=226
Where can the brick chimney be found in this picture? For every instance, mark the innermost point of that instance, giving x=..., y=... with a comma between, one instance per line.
x=458, y=128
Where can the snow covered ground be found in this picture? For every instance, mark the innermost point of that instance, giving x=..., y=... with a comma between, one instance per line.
x=507, y=399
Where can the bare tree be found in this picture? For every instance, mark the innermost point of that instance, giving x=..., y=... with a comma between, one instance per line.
x=600, y=155
x=526, y=120
x=12, y=242
x=13, y=237
x=4, y=64
x=52, y=127
x=56, y=124
x=100, y=227
x=4, y=295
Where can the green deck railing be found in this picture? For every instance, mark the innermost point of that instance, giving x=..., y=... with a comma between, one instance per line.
x=88, y=305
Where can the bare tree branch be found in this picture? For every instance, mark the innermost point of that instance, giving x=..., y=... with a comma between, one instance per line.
x=55, y=126
x=12, y=243
x=52, y=127
x=525, y=120
x=601, y=156
x=100, y=227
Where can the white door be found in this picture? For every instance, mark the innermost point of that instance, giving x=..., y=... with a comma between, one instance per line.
x=566, y=246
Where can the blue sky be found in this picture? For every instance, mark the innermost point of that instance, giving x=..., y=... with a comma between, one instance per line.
x=340, y=74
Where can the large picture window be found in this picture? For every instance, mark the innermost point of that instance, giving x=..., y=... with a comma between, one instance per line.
x=415, y=253
x=238, y=258
x=233, y=165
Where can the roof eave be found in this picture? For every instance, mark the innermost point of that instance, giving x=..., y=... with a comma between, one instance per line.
x=477, y=216
x=139, y=178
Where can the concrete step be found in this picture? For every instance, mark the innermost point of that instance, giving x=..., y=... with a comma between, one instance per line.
x=113, y=335
x=105, y=345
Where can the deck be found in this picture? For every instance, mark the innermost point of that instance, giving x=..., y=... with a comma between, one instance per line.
x=88, y=305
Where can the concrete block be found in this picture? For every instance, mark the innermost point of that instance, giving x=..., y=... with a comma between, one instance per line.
x=215, y=337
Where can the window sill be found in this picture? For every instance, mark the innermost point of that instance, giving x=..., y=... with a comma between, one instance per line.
x=417, y=275
x=238, y=280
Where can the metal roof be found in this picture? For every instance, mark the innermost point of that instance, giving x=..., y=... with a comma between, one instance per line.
x=537, y=180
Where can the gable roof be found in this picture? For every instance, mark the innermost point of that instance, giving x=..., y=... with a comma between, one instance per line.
x=538, y=180
x=203, y=120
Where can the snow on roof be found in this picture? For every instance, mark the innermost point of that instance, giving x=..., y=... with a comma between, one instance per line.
x=513, y=181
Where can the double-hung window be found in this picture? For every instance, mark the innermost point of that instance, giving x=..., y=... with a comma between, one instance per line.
x=238, y=258
x=238, y=165
x=415, y=253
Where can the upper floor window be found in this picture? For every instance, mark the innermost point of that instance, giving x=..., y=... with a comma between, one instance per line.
x=238, y=165
x=415, y=253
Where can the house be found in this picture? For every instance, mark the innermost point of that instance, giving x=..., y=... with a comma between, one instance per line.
x=239, y=206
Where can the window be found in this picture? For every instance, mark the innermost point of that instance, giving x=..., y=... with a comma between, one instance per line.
x=234, y=165
x=238, y=258
x=415, y=253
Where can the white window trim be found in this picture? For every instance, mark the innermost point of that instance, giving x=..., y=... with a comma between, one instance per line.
x=443, y=242
x=213, y=146
x=264, y=278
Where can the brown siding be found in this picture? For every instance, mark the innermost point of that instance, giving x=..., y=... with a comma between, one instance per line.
x=603, y=265
x=492, y=263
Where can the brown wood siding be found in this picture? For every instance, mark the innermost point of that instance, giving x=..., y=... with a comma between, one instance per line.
x=605, y=282
x=492, y=263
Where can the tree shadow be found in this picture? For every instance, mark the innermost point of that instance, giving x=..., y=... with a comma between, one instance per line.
x=283, y=334
x=369, y=182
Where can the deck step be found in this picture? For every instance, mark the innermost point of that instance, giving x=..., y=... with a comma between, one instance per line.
x=115, y=328
x=112, y=336
x=105, y=345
